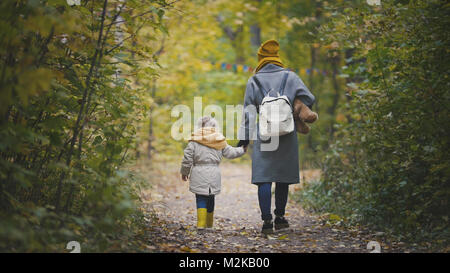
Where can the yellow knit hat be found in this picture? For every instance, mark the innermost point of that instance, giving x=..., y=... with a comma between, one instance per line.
x=268, y=53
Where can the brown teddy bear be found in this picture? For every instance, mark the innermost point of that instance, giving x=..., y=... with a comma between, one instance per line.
x=303, y=115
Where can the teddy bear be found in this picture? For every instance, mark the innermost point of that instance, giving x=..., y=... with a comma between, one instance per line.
x=302, y=115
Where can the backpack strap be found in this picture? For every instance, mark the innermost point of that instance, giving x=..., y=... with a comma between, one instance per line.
x=283, y=82
x=282, y=86
x=258, y=83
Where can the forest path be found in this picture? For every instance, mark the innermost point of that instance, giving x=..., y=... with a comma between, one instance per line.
x=237, y=220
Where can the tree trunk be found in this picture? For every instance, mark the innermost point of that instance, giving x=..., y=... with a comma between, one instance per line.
x=76, y=129
x=255, y=31
x=337, y=92
x=311, y=87
x=150, y=130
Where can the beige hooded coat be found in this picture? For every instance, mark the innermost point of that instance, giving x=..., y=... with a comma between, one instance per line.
x=202, y=163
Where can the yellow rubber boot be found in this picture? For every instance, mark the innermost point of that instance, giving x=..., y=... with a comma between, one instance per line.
x=201, y=218
x=209, y=219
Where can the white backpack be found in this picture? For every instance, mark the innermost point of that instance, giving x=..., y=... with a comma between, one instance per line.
x=275, y=113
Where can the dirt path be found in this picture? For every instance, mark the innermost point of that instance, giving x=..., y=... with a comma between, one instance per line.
x=237, y=220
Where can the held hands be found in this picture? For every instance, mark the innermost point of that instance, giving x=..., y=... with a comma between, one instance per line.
x=243, y=143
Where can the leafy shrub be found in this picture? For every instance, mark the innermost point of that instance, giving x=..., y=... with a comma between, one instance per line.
x=389, y=166
x=69, y=112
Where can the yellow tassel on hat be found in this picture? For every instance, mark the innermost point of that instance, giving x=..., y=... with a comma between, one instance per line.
x=201, y=218
x=209, y=219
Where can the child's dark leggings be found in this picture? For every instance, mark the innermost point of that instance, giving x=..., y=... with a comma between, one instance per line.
x=205, y=202
x=265, y=199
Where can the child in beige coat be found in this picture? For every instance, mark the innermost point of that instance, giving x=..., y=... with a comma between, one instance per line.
x=200, y=164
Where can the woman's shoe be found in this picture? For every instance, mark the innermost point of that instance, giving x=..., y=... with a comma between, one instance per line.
x=281, y=222
x=267, y=227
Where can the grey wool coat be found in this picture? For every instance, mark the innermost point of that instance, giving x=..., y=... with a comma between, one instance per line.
x=281, y=164
x=202, y=163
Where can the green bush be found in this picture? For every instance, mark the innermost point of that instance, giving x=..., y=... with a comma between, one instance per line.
x=389, y=166
x=68, y=120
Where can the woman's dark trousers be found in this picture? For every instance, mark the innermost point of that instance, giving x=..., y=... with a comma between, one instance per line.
x=265, y=199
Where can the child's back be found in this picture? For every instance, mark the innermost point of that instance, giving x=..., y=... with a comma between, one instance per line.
x=200, y=163
x=205, y=174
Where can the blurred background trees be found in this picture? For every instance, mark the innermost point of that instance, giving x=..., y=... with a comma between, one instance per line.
x=211, y=51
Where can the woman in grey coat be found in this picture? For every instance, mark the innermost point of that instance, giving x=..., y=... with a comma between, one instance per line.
x=280, y=165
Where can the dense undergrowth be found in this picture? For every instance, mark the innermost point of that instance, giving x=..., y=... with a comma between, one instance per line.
x=389, y=166
x=70, y=107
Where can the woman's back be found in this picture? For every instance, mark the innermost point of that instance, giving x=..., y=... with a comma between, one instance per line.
x=280, y=163
x=270, y=77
